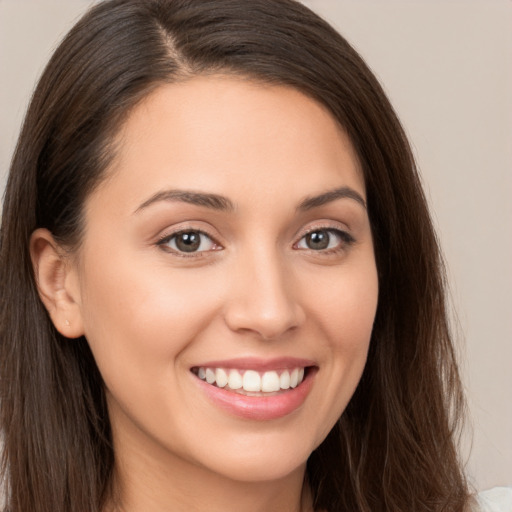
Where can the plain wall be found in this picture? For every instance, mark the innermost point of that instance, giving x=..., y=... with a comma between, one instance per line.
x=447, y=67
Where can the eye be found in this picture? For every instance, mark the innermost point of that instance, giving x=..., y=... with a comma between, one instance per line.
x=190, y=241
x=324, y=240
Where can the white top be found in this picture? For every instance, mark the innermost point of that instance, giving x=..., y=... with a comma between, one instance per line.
x=498, y=499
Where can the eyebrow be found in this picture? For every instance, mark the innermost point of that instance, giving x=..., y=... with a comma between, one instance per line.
x=221, y=203
x=213, y=201
x=330, y=196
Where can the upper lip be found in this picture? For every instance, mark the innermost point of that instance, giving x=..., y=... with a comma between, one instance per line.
x=258, y=364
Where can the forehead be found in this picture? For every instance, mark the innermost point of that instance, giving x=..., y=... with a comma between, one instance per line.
x=218, y=133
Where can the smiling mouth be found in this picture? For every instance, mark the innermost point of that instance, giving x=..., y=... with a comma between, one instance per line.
x=252, y=382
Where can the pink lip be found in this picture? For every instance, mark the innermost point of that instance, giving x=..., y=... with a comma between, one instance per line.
x=261, y=408
x=259, y=365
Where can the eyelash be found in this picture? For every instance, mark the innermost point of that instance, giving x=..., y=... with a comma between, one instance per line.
x=346, y=240
x=166, y=239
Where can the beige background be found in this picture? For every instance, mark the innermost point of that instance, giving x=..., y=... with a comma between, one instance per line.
x=447, y=67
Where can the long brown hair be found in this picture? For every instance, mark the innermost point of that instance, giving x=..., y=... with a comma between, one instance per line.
x=394, y=446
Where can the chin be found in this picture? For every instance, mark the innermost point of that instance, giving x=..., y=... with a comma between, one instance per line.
x=259, y=470
x=266, y=460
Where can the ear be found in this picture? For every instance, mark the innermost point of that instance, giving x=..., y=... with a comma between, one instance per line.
x=57, y=283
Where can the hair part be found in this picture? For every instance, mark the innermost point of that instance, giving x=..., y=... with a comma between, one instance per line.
x=394, y=447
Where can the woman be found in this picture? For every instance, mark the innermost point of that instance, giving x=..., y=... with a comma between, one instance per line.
x=224, y=290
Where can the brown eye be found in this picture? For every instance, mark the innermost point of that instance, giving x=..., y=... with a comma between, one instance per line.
x=191, y=241
x=325, y=239
x=318, y=240
x=188, y=242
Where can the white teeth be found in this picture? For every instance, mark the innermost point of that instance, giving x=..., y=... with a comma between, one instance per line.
x=251, y=380
x=221, y=377
x=270, y=382
x=284, y=380
x=235, y=379
x=294, y=378
x=210, y=376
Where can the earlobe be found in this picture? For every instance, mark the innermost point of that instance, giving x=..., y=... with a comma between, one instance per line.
x=57, y=283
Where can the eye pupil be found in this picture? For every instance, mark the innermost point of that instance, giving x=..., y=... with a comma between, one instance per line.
x=318, y=240
x=188, y=241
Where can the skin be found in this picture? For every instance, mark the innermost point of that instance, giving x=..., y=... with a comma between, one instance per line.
x=150, y=313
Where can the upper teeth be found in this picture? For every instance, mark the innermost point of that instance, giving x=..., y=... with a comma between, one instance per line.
x=251, y=380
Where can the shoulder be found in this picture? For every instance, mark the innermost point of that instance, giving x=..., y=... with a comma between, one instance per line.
x=498, y=499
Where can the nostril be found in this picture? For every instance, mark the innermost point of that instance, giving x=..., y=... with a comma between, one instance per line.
x=265, y=323
x=261, y=298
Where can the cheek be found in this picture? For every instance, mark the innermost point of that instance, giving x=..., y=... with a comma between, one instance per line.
x=343, y=308
x=345, y=304
x=139, y=317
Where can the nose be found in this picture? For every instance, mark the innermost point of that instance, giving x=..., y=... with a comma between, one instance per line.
x=263, y=297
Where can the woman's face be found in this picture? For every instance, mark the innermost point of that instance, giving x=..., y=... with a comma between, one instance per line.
x=227, y=281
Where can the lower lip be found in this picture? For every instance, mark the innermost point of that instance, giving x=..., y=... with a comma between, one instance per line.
x=262, y=408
